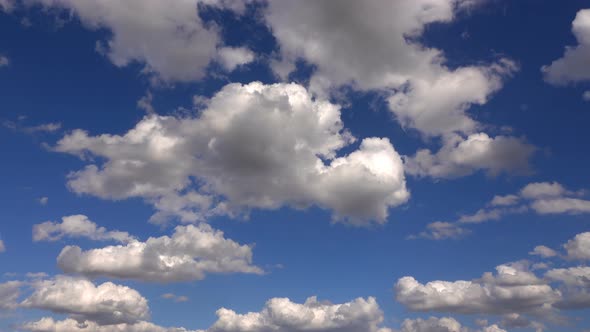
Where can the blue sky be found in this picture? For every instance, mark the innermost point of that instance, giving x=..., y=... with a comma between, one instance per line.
x=428, y=155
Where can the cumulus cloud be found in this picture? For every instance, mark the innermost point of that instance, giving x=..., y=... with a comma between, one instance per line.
x=76, y=226
x=543, y=251
x=81, y=300
x=170, y=39
x=2, y=246
x=512, y=289
x=506, y=200
x=9, y=293
x=189, y=254
x=576, y=286
x=444, y=324
x=579, y=247
x=573, y=66
x=253, y=146
x=174, y=297
x=48, y=324
x=43, y=200
x=543, y=190
x=232, y=57
x=463, y=156
x=281, y=314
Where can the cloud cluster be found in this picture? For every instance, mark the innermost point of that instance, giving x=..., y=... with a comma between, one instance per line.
x=81, y=300
x=9, y=292
x=48, y=324
x=444, y=324
x=189, y=254
x=77, y=226
x=253, y=146
x=573, y=66
x=511, y=289
x=170, y=39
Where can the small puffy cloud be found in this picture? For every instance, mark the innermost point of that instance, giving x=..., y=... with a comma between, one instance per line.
x=543, y=251
x=586, y=95
x=44, y=200
x=463, y=156
x=505, y=200
x=48, y=324
x=174, y=297
x=511, y=289
x=573, y=66
x=441, y=230
x=189, y=254
x=81, y=300
x=76, y=226
x=9, y=293
x=579, y=247
x=4, y=61
x=281, y=314
x=253, y=146
x=561, y=205
x=169, y=38
x=232, y=57
x=2, y=246
x=543, y=190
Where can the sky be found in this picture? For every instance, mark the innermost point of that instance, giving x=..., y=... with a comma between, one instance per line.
x=291, y=166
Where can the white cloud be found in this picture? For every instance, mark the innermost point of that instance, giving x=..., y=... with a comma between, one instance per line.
x=444, y=324
x=50, y=127
x=4, y=61
x=76, y=226
x=232, y=57
x=543, y=190
x=506, y=200
x=543, y=251
x=384, y=53
x=577, y=286
x=80, y=299
x=579, y=247
x=2, y=246
x=189, y=254
x=281, y=314
x=9, y=292
x=168, y=37
x=441, y=230
x=44, y=200
x=511, y=289
x=561, y=205
x=48, y=324
x=254, y=146
x=586, y=95
x=459, y=157
x=573, y=66
x=175, y=298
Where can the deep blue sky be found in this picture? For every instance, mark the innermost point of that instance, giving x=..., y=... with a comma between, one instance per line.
x=56, y=75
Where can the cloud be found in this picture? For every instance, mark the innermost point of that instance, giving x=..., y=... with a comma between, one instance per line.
x=543, y=190
x=9, y=293
x=76, y=226
x=253, y=146
x=384, y=53
x=579, y=247
x=2, y=246
x=281, y=314
x=440, y=230
x=44, y=200
x=4, y=61
x=48, y=324
x=459, y=157
x=444, y=324
x=543, y=251
x=50, y=127
x=189, y=254
x=561, y=205
x=174, y=297
x=573, y=66
x=512, y=289
x=170, y=39
x=506, y=200
x=81, y=300
x=232, y=57
x=577, y=286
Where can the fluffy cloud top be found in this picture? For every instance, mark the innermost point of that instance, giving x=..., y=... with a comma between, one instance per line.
x=254, y=146
x=579, y=247
x=281, y=314
x=9, y=292
x=168, y=37
x=460, y=157
x=48, y=324
x=573, y=66
x=80, y=299
x=511, y=289
x=444, y=324
x=189, y=254
x=76, y=226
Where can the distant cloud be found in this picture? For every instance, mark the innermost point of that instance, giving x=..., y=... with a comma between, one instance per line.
x=174, y=297
x=44, y=200
x=4, y=61
x=441, y=231
x=76, y=226
x=2, y=246
x=42, y=128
